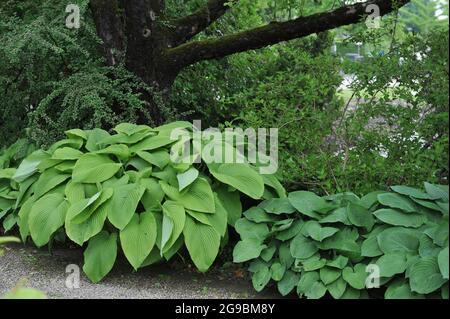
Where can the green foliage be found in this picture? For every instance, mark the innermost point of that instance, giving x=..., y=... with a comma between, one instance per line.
x=125, y=190
x=331, y=244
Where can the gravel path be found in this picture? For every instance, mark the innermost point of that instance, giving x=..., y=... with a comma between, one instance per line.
x=41, y=270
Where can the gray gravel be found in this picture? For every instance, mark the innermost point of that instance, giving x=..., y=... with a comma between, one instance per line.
x=47, y=272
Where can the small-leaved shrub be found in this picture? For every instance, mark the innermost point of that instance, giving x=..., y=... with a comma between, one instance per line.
x=126, y=191
x=338, y=245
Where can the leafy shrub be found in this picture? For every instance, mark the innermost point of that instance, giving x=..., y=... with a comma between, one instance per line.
x=102, y=189
x=325, y=244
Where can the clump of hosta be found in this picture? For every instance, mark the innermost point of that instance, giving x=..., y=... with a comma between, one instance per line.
x=125, y=191
x=392, y=243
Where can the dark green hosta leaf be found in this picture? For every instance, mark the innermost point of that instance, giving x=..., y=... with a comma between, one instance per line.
x=261, y=278
x=123, y=204
x=100, y=256
x=249, y=230
x=311, y=286
x=313, y=263
x=277, y=270
x=47, y=215
x=138, y=238
x=247, y=249
x=344, y=241
x=339, y=215
x=397, y=218
x=356, y=276
x=329, y=275
x=288, y=282
x=427, y=248
x=284, y=253
x=94, y=168
x=392, y=264
x=360, y=216
x=268, y=253
x=278, y=206
x=397, y=201
x=340, y=262
x=370, y=247
x=398, y=239
x=425, y=276
x=258, y=215
x=308, y=203
x=291, y=232
x=314, y=230
x=443, y=262
x=302, y=247
x=428, y=204
x=400, y=289
x=202, y=242
x=410, y=191
x=437, y=192
x=439, y=233
x=370, y=199
x=337, y=288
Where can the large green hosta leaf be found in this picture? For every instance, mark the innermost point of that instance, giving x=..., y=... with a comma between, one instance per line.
x=123, y=204
x=398, y=218
x=202, y=242
x=177, y=216
x=443, y=262
x=398, y=239
x=425, y=276
x=94, y=168
x=138, y=238
x=240, y=176
x=47, y=216
x=29, y=165
x=198, y=196
x=100, y=256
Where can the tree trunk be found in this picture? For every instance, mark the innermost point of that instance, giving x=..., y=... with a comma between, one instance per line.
x=156, y=48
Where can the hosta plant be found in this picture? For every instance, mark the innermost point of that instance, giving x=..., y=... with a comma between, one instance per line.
x=9, y=189
x=386, y=243
x=125, y=191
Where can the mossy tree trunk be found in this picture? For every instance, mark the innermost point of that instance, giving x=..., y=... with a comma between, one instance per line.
x=156, y=47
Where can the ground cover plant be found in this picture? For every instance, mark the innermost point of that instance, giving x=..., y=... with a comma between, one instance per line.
x=339, y=245
x=124, y=191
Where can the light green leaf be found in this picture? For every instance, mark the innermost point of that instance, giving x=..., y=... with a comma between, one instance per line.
x=67, y=153
x=241, y=177
x=100, y=256
x=138, y=238
x=29, y=165
x=277, y=270
x=202, y=242
x=177, y=215
x=198, y=196
x=94, y=168
x=187, y=178
x=123, y=204
x=158, y=158
x=46, y=217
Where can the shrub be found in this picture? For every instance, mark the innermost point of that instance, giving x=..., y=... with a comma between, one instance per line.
x=102, y=189
x=319, y=245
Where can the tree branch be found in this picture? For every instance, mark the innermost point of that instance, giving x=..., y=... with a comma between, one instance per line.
x=188, y=27
x=192, y=52
x=109, y=28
